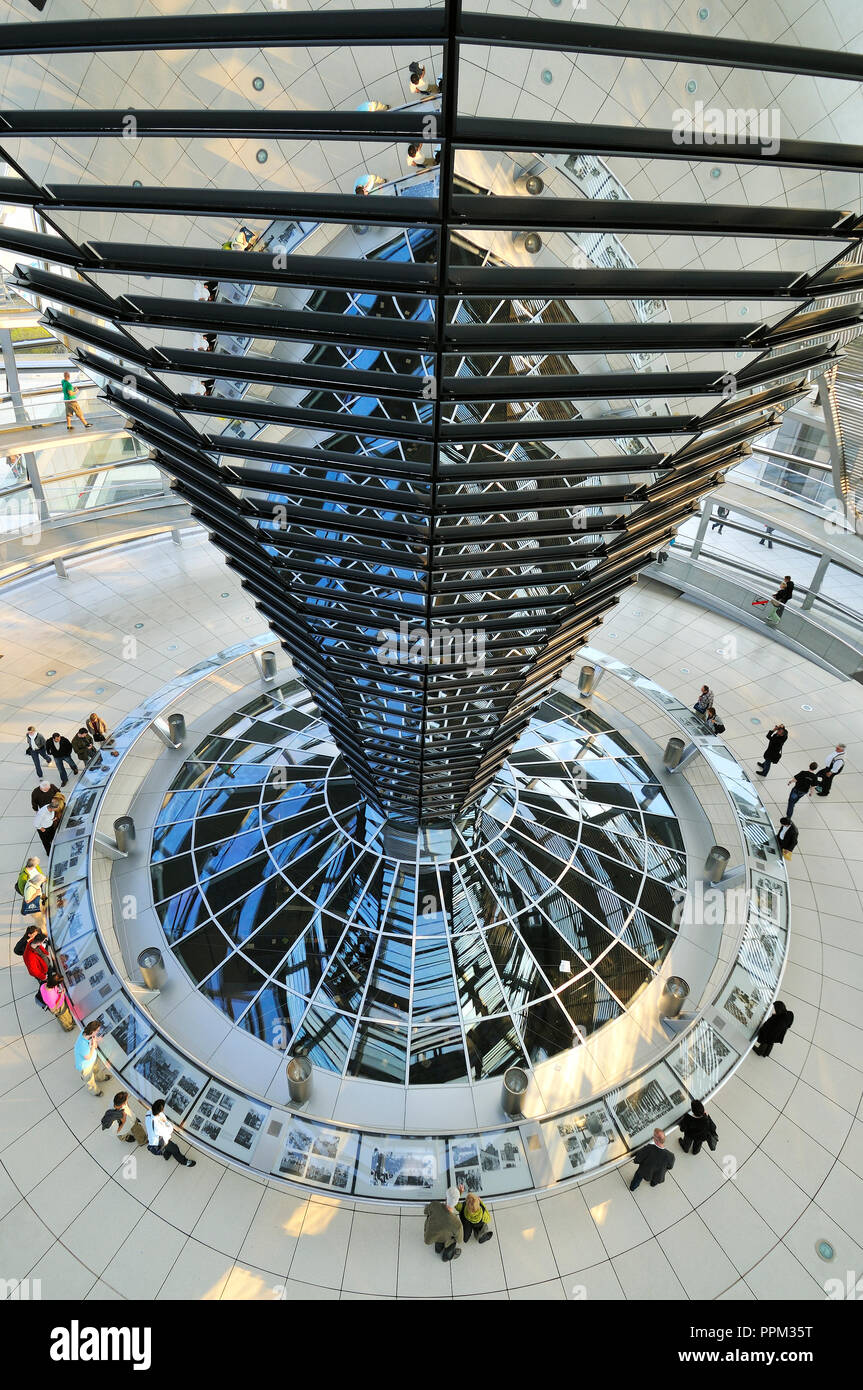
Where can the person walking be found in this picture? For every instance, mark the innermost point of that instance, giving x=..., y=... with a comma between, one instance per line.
x=418, y=82
x=87, y=1059
x=443, y=1226
x=35, y=749
x=705, y=700
x=801, y=785
x=60, y=750
x=696, y=1129
x=55, y=999
x=119, y=1115
x=43, y=795
x=765, y=539
x=773, y=752
x=722, y=515
x=475, y=1219
x=45, y=825
x=368, y=185
x=83, y=746
x=787, y=836
x=831, y=769
x=416, y=159
x=773, y=1029
x=653, y=1161
x=783, y=594
x=159, y=1131
x=70, y=399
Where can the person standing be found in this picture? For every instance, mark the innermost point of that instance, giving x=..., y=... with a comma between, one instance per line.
x=32, y=892
x=787, y=835
x=773, y=752
x=32, y=866
x=801, y=785
x=60, y=750
x=475, y=1219
x=653, y=1161
x=783, y=594
x=43, y=795
x=765, y=539
x=96, y=728
x=119, y=1116
x=713, y=723
x=83, y=746
x=831, y=769
x=773, y=1029
x=87, y=1059
x=696, y=1129
x=35, y=749
x=418, y=82
x=159, y=1131
x=55, y=999
x=45, y=825
x=443, y=1226
x=705, y=700
x=368, y=185
x=37, y=959
x=416, y=159
x=70, y=399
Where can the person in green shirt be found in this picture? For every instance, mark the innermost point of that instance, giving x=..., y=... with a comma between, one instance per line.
x=70, y=400
x=475, y=1218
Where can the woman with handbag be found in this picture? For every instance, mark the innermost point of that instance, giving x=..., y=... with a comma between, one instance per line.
x=55, y=998
x=697, y=1128
x=475, y=1219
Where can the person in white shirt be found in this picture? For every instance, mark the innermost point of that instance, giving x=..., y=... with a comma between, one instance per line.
x=159, y=1131
x=831, y=769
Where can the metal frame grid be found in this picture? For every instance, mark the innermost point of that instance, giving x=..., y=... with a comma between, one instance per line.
x=462, y=506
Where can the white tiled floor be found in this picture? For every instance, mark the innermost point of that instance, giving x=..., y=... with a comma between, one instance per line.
x=738, y=1224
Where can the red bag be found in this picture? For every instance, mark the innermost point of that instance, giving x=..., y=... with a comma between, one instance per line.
x=757, y=601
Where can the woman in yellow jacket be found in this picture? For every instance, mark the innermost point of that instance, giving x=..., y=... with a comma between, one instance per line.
x=475, y=1218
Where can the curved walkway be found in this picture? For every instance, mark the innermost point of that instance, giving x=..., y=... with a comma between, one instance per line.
x=743, y=1223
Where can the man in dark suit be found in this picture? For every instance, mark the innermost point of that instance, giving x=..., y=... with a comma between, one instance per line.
x=787, y=835
x=653, y=1162
x=773, y=1029
x=35, y=749
x=60, y=749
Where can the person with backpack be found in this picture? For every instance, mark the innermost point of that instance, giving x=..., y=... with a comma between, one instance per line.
x=442, y=1227
x=119, y=1115
x=37, y=958
x=831, y=769
x=475, y=1219
x=55, y=999
x=705, y=700
x=696, y=1129
x=776, y=739
x=31, y=885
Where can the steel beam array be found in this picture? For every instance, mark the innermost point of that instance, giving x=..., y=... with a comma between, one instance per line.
x=429, y=459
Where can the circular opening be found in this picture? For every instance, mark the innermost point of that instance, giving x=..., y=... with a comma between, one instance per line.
x=262, y=156
x=703, y=13
x=515, y=1080
x=692, y=85
x=50, y=673
x=715, y=173
x=226, y=594
x=136, y=183
x=139, y=624
x=824, y=1250
x=258, y=84
x=299, y=1069
x=547, y=76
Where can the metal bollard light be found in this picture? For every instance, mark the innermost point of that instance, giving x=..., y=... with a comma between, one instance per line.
x=530, y=183
x=673, y=753
x=531, y=242
x=515, y=1083
x=673, y=997
x=716, y=863
x=299, y=1072
x=152, y=967
x=124, y=834
x=586, y=680
x=177, y=728
x=268, y=665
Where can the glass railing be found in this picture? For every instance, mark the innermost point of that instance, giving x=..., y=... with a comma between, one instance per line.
x=809, y=484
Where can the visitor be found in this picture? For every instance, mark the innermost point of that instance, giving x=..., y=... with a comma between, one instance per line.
x=783, y=594
x=368, y=185
x=443, y=1226
x=119, y=1116
x=159, y=1131
x=32, y=891
x=831, y=769
x=653, y=1162
x=30, y=867
x=704, y=701
x=55, y=999
x=45, y=825
x=765, y=539
x=787, y=836
x=713, y=723
x=35, y=749
x=83, y=746
x=43, y=795
x=696, y=1129
x=418, y=82
x=475, y=1219
x=722, y=514
x=773, y=752
x=87, y=1059
x=60, y=750
x=37, y=959
x=773, y=1029
x=70, y=398
x=801, y=785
